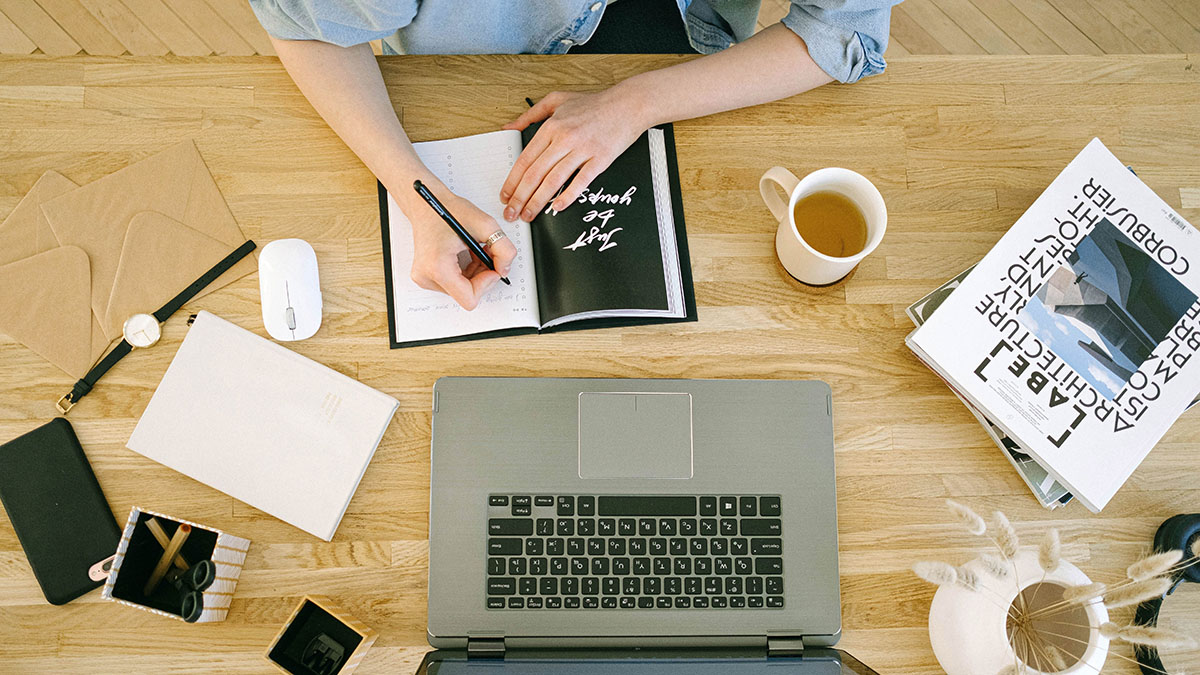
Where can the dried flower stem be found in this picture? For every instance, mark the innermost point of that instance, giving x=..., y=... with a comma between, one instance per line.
x=1154, y=565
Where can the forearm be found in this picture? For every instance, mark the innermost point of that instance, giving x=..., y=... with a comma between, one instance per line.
x=771, y=65
x=345, y=87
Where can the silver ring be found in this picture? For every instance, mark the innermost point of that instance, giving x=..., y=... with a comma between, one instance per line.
x=496, y=236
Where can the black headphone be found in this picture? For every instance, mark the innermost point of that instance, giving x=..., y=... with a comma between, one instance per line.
x=1176, y=533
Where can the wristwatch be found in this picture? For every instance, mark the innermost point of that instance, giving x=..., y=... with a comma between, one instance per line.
x=144, y=330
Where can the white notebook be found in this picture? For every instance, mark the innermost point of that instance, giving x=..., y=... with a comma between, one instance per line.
x=264, y=425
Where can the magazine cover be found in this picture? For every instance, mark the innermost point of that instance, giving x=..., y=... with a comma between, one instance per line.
x=1077, y=332
x=1049, y=492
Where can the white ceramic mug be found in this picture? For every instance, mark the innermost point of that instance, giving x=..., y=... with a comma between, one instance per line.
x=800, y=259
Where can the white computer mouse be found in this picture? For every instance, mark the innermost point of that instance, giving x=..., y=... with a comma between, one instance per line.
x=290, y=289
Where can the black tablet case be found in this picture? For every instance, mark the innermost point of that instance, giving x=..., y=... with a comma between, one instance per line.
x=685, y=268
x=57, y=509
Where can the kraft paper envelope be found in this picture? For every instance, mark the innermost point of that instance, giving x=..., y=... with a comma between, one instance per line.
x=149, y=230
x=45, y=289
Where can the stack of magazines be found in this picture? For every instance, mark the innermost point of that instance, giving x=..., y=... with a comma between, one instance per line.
x=1074, y=341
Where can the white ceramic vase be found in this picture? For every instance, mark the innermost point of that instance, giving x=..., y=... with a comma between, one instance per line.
x=967, y=628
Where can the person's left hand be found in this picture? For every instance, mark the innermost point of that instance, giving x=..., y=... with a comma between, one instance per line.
x=582, y=131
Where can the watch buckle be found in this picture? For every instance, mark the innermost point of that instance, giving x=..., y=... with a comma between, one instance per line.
x=68, y=404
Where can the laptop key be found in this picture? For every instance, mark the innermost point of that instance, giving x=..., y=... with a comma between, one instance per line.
x=761, y=527
x=768, y=565
x=495, y=603
x=595, y=546
x=699, y=547
x=521, y=510
x=738, y=546
x=678, y=546
x=723, y=565
x=664, y=603
x=742, y=566
x=569, y=586
x=737, y=602
x=647, y=506
x=708, y=506
x=774, y=585
x=524, y=500
x=728, y=506
x=637, y=546
x=719, y=547
x=645, y=603
x=662, y=566
x=628, y=603
x=769, y=506
x=733, y=585
x=543, y=500
x=498, y=500
x=641, y=566
x=599, y=567
x=766, y=546
x=754, y=601
x=545, y=527
x=502, y=586
x=608, y=603
x=712, y=586
x=504, y=546
x=693, y=586
x=774, y=601
x=537, y=566
x=683, y=603
x=616, y=546
x=553, y=603
x=627, y=527
x=687, y=527
x=566, y=527
x=729, y=527
x=672, y=586
x=667, y=527
x=586, y=506
x=495, y=566
x=631, y=586
x=516, y=567
x=575, y=546
x=586, y=527
x=558, y=566
x=720, y=602
x=548, y=586
x=533, y=603
x=683, y=566
x=579, y=566
x=610, y=586
x=646, y=527
x=658, y=546
x=703, y=566
x=754, y=586
x=571, y=603
x=554, y=546
x=748, y=506
x=590, y=586
x=708, y=527
x=651, y=586
x=516, y=603
x=566, y=506
x=534, y=546
x=700, y=603
x=591, y=603
x=620, y=566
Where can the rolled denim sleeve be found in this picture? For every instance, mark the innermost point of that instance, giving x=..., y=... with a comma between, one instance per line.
x=341, y=23
x=846, y=38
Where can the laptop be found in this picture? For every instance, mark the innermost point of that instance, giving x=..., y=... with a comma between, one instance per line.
x=651, y=525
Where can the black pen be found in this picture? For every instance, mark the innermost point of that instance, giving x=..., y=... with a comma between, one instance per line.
x=457, y=227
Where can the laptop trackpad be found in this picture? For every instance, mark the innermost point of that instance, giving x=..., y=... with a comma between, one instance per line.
x=635, y=435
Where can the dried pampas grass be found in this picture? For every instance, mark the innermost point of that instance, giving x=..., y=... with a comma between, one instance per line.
x=1136, y=592
x=1050, y=550
x=1057, y=657
x=1005, y=535
x=967, y=578
x=994, y=566
x=1078, y=595
x=1152, y=636
x=1154, y=565
x=969, y=520
x=934, y=572
x=1109, y=630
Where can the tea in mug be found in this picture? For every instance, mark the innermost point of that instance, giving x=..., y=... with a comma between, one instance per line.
x=831, y=223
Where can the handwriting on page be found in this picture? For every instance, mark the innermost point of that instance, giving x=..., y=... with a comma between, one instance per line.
x=601, y=232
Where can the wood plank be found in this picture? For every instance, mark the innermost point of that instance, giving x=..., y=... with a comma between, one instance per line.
x=894, y=48
x=1139, y=31
x=241, y=18
x=211, y=28
x=92, y=37
x=39, y=27
x=1083, y=14
x=1171, y=24
x=1057, y=27
x=1188, y=9
x=1017, y=26
x=942, y=28
x=979, y=27
x=909, y=31
x=12, y=40
x=125, y=27
x=168, y=28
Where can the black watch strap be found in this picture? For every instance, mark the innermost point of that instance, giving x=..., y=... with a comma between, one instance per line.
x=85, y=383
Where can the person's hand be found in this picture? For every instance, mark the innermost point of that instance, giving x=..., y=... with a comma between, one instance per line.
x=437, y=250
x=582, y=131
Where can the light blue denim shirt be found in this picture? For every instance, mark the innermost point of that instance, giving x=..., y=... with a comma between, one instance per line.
x=846, y=38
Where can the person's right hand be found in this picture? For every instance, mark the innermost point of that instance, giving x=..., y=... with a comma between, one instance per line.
x=437, y=250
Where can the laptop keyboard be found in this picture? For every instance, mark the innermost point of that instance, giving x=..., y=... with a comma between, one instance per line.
x=634, y=552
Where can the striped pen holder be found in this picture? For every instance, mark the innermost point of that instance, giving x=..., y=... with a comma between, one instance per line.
x=139, y=552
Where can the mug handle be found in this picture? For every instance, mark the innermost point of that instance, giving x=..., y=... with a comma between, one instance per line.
x=784, y=179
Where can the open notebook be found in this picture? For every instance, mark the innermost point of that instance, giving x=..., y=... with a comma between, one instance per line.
x=617, y=256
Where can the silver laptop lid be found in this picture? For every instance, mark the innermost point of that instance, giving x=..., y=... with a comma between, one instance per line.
x=817, y=662
x=609, y=438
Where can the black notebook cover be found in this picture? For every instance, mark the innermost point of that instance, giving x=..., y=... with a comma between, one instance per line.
x=57, y=509
x=618, y=177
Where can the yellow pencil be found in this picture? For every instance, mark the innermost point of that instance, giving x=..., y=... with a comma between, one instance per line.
x=160, y=570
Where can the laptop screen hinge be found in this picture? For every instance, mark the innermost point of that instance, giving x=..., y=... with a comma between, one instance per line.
x=785, y=645
x=485, y=648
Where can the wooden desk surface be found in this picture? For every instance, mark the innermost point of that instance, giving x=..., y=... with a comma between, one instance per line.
x=958, y=146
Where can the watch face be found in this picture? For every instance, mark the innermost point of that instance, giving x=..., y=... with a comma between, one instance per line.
x=142, y=330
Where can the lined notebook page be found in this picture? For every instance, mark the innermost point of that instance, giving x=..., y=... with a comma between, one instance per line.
x=473, y=167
